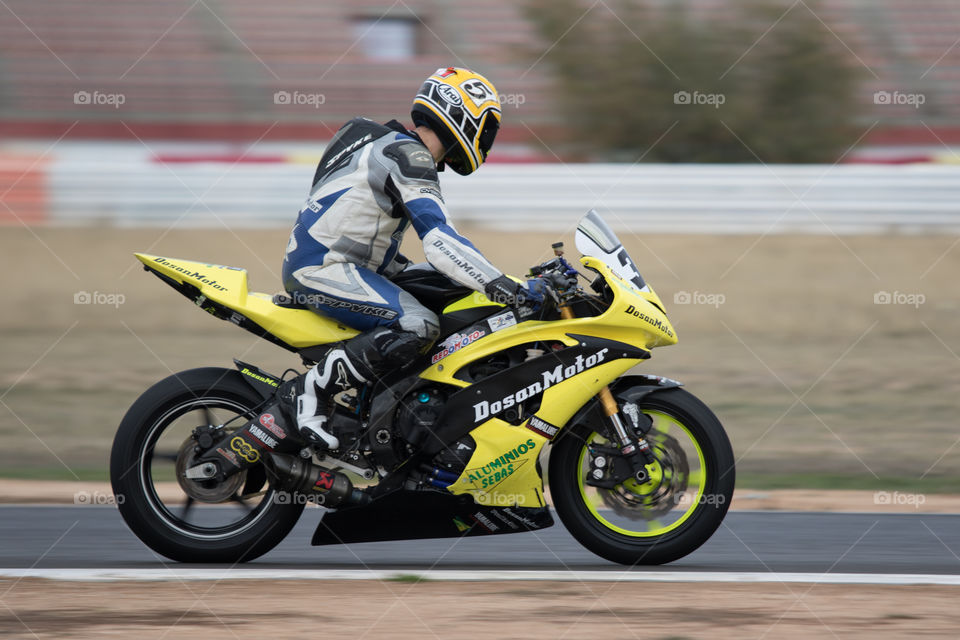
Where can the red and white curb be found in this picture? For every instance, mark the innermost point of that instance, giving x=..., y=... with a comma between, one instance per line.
x=185, y=574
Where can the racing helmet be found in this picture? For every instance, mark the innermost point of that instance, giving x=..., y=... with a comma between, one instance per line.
x=463, y=109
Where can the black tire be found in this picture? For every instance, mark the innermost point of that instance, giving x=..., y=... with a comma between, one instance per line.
x=703, y=516
x=132, y=460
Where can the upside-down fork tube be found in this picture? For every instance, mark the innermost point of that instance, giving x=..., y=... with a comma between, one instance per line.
x=628, y=445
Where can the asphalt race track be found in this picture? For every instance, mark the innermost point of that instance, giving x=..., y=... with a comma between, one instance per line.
x=55, y=537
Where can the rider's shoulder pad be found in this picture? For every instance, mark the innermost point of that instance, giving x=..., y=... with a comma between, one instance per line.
x=413, y=159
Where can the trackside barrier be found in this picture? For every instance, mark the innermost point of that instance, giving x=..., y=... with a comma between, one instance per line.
x=656, y=198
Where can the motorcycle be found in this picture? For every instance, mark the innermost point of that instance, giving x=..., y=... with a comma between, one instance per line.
x=208, y=464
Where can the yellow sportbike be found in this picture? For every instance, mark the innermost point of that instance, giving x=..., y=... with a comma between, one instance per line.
x=208, y=464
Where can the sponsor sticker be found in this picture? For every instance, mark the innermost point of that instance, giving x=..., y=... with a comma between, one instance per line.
x=500, y=468
x=450, y=94
x=455, y=342
x=261, y=435
x=196, y=275
x=484, y=409
x=257, y=376
x=485, y=522
x=542, y=427
x=244, y=449
x=656, y=323
x=324, y=482
x=502, y=321
x=230, y=456
x=268, y=421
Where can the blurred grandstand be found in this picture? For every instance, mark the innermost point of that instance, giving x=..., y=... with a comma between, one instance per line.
x=183, y=81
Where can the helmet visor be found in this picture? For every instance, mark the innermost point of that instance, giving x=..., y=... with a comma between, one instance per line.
x=457, y=160
x=488, y=133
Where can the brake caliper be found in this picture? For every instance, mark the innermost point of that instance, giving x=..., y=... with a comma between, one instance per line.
x=608, y=467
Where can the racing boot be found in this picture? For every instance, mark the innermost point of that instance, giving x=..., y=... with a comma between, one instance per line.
x=358, y=361
x=335, y=374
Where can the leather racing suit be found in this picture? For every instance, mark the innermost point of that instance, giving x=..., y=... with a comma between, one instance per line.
x=372, y=182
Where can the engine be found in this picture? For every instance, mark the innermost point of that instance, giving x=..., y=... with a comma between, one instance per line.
x=417, y=416
x=417, y=413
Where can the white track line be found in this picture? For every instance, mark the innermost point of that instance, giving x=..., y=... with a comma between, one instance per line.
x=176, y=573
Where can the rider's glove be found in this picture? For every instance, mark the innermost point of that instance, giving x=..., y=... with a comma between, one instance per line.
x=528, y=300
x=503, y=290
x=535, y=291
x=506, y=291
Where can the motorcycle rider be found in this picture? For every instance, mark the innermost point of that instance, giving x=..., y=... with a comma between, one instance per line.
x=371, y=183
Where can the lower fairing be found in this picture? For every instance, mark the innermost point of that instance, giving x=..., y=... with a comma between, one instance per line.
x=414, y=515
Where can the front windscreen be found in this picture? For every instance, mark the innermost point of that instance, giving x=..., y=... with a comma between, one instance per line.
x=594, y=227
x=594, y=238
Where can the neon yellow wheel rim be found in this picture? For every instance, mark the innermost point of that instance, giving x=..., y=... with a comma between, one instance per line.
x=696, y=479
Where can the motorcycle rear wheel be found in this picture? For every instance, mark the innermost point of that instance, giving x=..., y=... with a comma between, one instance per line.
x=670, y=515
x=242, y=519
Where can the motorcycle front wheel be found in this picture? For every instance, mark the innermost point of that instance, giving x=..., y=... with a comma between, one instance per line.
x=187, y=520
x=680, y=505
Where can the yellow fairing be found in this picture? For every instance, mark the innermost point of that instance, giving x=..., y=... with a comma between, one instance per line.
x=227, y=286
x=634, y=317
x=644, y=310
x=475, y=299
x=502, y=470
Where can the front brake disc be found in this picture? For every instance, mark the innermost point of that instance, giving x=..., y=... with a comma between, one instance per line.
x=666, y=484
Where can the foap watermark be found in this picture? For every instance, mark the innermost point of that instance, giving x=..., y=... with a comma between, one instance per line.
x=296, y=497
x=915, y=500
x=686, y=498
x=898, y=297
x=99, y=98
x=98, y=297
x=512, y=99
x=698, y=297
x=317, y=499
x=506, y=499
x=899, y=98
x=97, y=498
x=299, y=98
x=697, y=97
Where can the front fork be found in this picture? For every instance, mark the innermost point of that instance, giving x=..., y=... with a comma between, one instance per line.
x=635, y=449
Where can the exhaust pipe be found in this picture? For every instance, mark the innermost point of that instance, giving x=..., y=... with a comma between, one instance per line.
x=326, y=487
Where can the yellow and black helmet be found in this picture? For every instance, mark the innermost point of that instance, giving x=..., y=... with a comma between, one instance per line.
x=463, y=109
